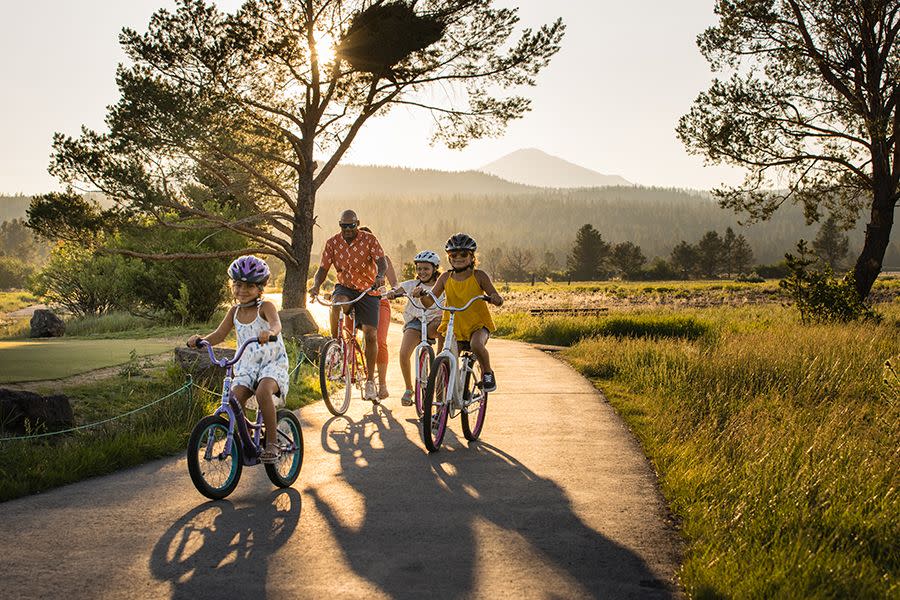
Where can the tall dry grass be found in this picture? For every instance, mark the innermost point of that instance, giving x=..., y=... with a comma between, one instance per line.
x=777, y=445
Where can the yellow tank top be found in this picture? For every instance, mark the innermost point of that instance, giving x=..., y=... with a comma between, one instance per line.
x=472, y=319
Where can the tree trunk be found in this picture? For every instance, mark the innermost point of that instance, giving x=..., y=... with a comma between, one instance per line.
x=295, y=276
x=878, y=234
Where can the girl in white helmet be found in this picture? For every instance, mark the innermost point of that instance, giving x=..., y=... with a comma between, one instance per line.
x=427, y=270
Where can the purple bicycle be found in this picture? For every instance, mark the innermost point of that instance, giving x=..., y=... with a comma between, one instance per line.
x=216, y=456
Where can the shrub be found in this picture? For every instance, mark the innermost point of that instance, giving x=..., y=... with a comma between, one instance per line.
x=85, y=283
x=14, y=273
x=818, y=295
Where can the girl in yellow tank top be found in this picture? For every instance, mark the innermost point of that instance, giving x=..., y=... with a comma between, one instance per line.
x=462, y=283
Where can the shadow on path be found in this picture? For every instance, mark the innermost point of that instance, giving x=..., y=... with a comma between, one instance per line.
x=216, y=548
x=418, y=537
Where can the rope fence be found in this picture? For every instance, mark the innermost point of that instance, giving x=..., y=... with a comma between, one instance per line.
x=188, y=386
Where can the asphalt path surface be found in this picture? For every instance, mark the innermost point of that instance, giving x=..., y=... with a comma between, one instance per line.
x=555, y=501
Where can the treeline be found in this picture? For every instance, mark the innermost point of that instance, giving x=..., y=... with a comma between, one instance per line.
x=654, y=219
x=21, y=252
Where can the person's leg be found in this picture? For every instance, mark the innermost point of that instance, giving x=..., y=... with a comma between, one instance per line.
x=242, y=393
x=265, y=398
x=370, y=333
x=407, y=345
x=478, y=343
x=384, y=321
x=335, y=313
x=433, y=333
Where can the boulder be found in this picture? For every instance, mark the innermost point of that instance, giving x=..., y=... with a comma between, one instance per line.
x=311, y=345
x=197, y=363
x=24, y=412
x=297, y=322
x=44, y=323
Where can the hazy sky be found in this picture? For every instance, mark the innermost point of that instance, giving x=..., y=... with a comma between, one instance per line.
x=609, y=101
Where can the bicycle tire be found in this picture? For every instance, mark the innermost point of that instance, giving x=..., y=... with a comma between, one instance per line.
x=333, y=369
x=208, y=476
x=435, y=407
x=472, y=429
x=423, y=369
x=285, y=471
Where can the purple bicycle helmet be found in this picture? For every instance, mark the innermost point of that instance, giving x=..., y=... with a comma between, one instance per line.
x=250, y=269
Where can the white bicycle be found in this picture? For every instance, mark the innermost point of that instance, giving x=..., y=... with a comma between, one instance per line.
x=454, y=387
x=423, y=357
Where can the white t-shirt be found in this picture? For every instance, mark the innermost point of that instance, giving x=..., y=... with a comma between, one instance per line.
x=411, y=313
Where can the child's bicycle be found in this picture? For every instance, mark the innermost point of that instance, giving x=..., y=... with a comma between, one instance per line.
x=454, y=387
x=424, y=356
x=216, y=456
x=342, y=363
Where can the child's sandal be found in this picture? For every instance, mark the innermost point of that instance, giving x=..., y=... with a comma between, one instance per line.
x=269, y=455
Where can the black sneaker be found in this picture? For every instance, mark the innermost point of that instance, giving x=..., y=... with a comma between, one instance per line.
x=488, y=384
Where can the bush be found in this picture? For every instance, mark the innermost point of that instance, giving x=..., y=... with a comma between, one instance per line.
x=818, y=295
x=186, y=290
x=14, y=273
x=85, y=283
x=777, y=270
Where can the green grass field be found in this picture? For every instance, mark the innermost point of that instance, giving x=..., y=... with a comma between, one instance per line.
x=10, y=301
x=31, y=360
x=776, y=443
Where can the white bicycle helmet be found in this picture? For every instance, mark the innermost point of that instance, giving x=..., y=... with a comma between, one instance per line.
x=429, y=257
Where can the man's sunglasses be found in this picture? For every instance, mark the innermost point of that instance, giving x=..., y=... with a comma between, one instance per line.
x=458, y=254
x=348, y=225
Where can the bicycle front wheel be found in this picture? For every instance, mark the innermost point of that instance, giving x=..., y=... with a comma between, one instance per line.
x=286, y=469
x=423, y=367
x=474, y=404
x=334, y=376
x=215, y=474
x=436, y=405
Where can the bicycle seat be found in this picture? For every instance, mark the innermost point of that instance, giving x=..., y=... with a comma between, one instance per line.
x=463, y=346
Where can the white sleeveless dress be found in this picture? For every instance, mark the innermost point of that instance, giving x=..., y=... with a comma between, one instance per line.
x=259, y=361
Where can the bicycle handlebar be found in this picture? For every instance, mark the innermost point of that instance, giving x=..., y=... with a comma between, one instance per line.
x=323, y=302
x=437, y=302
x=237, y=355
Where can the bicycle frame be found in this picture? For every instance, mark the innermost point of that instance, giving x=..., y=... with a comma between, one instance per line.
x=248, y=432
x=351, y=353
x=457, y=373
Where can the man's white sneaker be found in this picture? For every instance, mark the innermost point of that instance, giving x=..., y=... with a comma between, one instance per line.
x=370, y=393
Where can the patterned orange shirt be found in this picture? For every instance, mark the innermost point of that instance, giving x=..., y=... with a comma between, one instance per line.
x=354, y=262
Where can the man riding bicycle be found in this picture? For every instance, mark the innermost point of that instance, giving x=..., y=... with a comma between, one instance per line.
x=360, y=263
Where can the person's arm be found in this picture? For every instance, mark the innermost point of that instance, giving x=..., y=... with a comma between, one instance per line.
x=318, y=279
x=484, y=280
x=217, y=336
x=322, y=271
x=381, y=263
x=390, y=273
x=267, y=309
x=437, y=290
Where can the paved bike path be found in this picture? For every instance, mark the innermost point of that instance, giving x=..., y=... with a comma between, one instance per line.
x=555, y=501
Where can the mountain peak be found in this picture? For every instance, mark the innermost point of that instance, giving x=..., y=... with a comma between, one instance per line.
x=531, y=166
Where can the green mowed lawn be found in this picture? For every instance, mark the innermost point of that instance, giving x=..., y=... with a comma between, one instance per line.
x=32, y=360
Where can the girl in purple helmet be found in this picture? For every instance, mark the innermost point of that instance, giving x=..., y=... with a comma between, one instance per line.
x=263, y=369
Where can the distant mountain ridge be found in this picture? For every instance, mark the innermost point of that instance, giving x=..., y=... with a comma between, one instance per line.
x=537, y=168
x=356, y=180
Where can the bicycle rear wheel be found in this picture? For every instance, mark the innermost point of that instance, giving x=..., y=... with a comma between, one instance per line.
x=474, y=402
x=436, y=404
x=426, y=357
x=286, y=469
x=334, y=378
x=216, y=476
